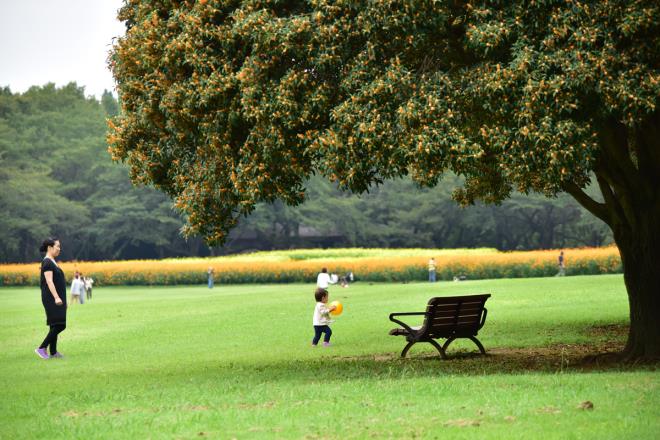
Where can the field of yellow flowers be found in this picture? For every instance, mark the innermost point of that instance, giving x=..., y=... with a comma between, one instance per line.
x=303, y=266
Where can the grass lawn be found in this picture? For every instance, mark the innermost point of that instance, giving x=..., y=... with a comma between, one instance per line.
x=236, y=362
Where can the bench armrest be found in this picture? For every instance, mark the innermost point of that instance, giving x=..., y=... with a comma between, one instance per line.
x=403, y=324
x=483, y=318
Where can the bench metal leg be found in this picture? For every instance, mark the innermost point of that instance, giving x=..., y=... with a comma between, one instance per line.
x=447, y=342
x=406, y=348
x=432, y=342
x=476, y=341
x=440, y=349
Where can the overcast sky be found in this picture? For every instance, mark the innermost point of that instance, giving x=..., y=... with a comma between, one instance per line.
x=57, y=41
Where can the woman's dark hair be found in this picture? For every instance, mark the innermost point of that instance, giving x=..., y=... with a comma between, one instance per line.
x=324, y=270
x=47, y=243
x=320, y=293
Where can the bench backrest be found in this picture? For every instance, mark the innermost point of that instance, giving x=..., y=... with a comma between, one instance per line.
x=454, y=315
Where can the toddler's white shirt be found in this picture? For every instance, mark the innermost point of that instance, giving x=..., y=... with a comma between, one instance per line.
x=321, y=314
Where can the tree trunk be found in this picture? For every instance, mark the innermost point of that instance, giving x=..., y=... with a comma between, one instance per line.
x=640, y=255
x=627, y=172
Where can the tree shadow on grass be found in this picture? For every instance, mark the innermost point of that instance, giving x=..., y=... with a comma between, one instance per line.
x=598, y=356
x=601, y=355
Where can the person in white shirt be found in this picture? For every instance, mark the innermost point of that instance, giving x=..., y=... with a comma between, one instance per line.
x=321, y=319
x=77, y=289
x=89, y=283
x=81, y=288
x=324, y=279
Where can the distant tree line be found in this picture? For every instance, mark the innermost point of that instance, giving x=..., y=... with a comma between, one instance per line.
x=57, y=178
x=399, y=214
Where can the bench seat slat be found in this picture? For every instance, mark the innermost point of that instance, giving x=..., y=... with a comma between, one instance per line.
x=455, y=313
x=453, y=310
x=455, y=303
x=453, y=321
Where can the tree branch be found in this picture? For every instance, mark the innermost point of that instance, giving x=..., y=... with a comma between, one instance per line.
x=615, y=156
x=597, y=209
x=618, y=195
x=618, y=177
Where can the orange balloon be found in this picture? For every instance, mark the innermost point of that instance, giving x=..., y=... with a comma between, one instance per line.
x=338, y=308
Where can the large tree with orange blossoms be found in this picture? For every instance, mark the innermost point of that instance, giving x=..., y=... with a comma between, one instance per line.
x=228, y=103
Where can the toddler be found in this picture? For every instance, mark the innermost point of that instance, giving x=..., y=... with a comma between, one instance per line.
x=322, y=319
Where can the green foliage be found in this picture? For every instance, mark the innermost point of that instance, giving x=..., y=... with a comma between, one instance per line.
x=189, y=362
x=109, y=104
x=229, y=104
x=399, y=214
x=58, y=180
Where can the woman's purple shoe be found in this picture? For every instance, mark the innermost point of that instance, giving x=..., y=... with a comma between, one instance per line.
x=57, y=355
x=42, y=353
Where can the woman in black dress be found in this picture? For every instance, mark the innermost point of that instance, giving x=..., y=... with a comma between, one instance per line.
x=53, y=297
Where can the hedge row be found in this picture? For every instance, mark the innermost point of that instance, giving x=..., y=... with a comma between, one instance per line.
x=589, y=261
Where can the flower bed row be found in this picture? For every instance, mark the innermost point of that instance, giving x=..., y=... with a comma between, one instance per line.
x=392, y=268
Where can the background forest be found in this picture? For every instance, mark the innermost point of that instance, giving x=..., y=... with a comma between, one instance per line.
x=57, y=178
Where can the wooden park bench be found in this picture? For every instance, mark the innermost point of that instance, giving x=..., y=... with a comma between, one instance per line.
x=449, y=317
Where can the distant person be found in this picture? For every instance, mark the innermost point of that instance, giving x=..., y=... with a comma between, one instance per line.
x=432, y=267
x=323, y=280
x=321, y=319
x=345, y=279
x=77, y=289
x=210, y=277
x=561, y=265
x=53, y=297
x=89, y=283
x=81, y=288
